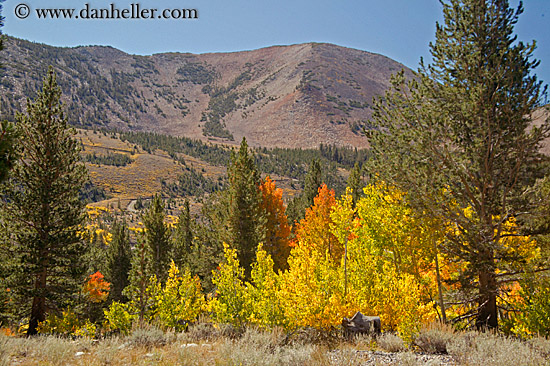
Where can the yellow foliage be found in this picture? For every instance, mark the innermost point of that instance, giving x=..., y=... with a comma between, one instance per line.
x=179, y=301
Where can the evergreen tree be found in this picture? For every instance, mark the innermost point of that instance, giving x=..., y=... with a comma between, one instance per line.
x=458, y=139
x=43, y=206
x=157, y=239
x=356, y=183
x=245, y=221
x=139, y=277
x=183, y=239
x=118, y=263
x=297, y=207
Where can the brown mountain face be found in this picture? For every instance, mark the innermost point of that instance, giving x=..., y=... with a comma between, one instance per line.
x=286, y=96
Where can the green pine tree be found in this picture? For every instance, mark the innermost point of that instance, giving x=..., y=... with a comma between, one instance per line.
x=157, y=238
x=138, y=278
x=118, y=262
x=43, y=207
x=297, y=207
x=458, y=136
x=355, y=182
x=183, y=239
x=245, y=221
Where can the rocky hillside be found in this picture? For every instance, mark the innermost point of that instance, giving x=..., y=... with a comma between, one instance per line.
x=286, y=96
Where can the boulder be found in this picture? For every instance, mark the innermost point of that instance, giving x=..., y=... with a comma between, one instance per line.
x=361, y=324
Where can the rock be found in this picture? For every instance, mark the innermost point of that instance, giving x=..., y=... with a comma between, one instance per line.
x=361, y=324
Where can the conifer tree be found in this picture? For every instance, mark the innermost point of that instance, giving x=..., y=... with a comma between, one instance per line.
x=183, y=239
x=157, y=239
x=355, y=183
x=119, y=260
x=139, y=277
x=246, y=222
x=43, y=207
x=458, y=139
x=297, y=207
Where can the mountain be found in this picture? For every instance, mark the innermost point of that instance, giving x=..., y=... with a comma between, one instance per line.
x=285, y=96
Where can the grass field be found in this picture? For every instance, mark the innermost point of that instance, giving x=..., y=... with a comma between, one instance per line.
x=204, y=344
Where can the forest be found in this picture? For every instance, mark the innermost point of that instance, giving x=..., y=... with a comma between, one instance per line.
x=441, y=228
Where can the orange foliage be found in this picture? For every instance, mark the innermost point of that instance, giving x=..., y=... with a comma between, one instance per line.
x=277, y=242
x=315, y=229
x=7, y=332
x=96, y=289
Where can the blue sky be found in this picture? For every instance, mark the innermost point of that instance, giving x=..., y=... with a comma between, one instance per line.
x=400, y=29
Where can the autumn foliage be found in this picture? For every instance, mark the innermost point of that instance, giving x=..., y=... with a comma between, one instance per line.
x=277, y=230
x=315, y=229
x=96, y=288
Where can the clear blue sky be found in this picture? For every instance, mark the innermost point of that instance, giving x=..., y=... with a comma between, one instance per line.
x=400, y=29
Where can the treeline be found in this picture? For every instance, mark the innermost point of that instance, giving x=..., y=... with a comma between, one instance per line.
x=287, y=162
x=110, y=158
x=191, y=183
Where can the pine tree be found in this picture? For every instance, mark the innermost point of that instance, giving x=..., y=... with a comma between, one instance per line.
x=297, y=207
x=118, y=263
x=43, y=206
x=246, y=222
x=138, y=278
x=183, y=239
x=356, y=183
x=458, y=139
x=157, y=239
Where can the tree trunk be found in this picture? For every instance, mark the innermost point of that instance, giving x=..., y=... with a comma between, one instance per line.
x=439, y=285
x=38, y=311
x=487, y=315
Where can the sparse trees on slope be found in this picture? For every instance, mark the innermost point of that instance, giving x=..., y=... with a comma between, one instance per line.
x=458, y=140
x=43, y=206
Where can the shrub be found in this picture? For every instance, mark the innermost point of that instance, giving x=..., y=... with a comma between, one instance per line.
x=488, y=349
x=391, y=343
x=434, y=338
x=68, y=324
x=149, y=337
x=179, y=301
x=119, y=318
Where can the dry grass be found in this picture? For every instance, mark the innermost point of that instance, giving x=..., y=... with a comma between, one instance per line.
x=138, y=179
x=488, y=349
x=204, y=344
x=434, y=338
x=390, y=342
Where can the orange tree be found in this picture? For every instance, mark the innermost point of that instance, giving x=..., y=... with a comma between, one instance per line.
x=277, y=230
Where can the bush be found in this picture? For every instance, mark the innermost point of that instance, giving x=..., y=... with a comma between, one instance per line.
x=391, y=343
x=488, y=350
x=68, y=324
x=179, y=301
x=119, y=318
x=149, y=337
x=434, y=338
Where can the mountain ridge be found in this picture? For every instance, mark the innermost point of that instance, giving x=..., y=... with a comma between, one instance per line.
x=299, y=95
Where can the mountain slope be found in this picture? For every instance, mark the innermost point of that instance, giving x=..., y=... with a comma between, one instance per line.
x=286, y=96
